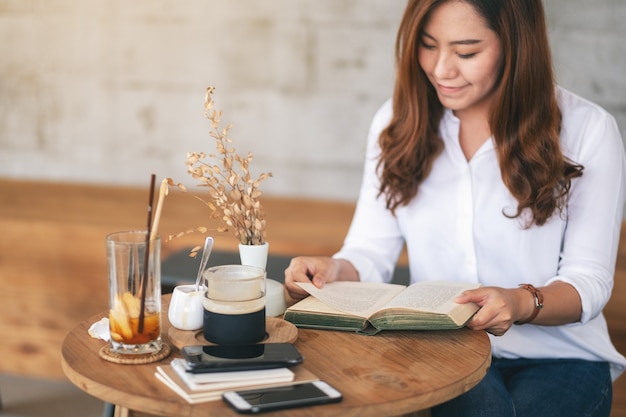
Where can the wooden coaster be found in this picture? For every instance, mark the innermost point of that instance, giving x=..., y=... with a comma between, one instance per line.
x=277, y=330
x=107, y=354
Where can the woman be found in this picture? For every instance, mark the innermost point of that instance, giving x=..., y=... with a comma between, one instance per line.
x=492, y=174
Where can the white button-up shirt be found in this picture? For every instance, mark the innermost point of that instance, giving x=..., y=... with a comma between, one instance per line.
x=455, y=229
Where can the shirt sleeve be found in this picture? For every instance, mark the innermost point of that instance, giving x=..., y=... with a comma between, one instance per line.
x=374, y=240
x=595, y=207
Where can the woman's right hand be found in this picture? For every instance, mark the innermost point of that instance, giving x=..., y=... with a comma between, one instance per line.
x=318, y=270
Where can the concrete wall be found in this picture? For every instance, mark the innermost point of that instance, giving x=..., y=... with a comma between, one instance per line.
x=110, y=91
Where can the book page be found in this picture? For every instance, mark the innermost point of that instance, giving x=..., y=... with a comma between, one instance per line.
x=312, y=304
x=358, y=298
x=436, y=297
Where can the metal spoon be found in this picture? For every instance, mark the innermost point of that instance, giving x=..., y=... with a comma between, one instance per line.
x=206, y=251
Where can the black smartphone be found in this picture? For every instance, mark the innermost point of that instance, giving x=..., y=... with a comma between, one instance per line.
x=221, y=358
x=277, y=398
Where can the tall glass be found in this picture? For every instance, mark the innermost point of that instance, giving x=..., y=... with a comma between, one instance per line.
x=134, y=295
x=234, y=304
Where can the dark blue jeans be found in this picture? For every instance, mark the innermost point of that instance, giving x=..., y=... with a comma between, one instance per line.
x=537, y=388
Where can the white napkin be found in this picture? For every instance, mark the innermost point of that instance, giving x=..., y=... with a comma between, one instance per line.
x=100, y=330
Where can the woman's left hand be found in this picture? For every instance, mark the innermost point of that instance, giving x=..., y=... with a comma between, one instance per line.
x=499, y=308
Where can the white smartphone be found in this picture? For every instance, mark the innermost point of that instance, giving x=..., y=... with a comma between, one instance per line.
x=277, y=398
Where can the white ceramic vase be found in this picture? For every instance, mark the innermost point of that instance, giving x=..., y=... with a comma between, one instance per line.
x=254, y=255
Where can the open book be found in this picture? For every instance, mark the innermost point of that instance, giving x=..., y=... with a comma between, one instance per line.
x=371, y=307
x=197, y=388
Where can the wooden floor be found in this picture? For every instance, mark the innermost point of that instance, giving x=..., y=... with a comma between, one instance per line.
x=53, y=266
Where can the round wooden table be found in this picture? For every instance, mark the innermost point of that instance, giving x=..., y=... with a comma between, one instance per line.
x=389, y=374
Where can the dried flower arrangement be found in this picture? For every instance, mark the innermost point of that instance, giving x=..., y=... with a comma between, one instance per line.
x=234, y=193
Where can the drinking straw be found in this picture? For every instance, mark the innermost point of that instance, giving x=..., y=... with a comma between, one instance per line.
x=146, y=258
x=163, y=191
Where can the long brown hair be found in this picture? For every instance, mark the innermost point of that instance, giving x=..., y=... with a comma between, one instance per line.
x=525, y=120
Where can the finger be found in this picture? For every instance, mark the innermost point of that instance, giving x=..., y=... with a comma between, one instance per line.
x=483, y=319
x=495, y=331
x=471, y=296
x=294, y=291
x=291, y=297
x=298, y=270
x=318, y=281
x=489, y=321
